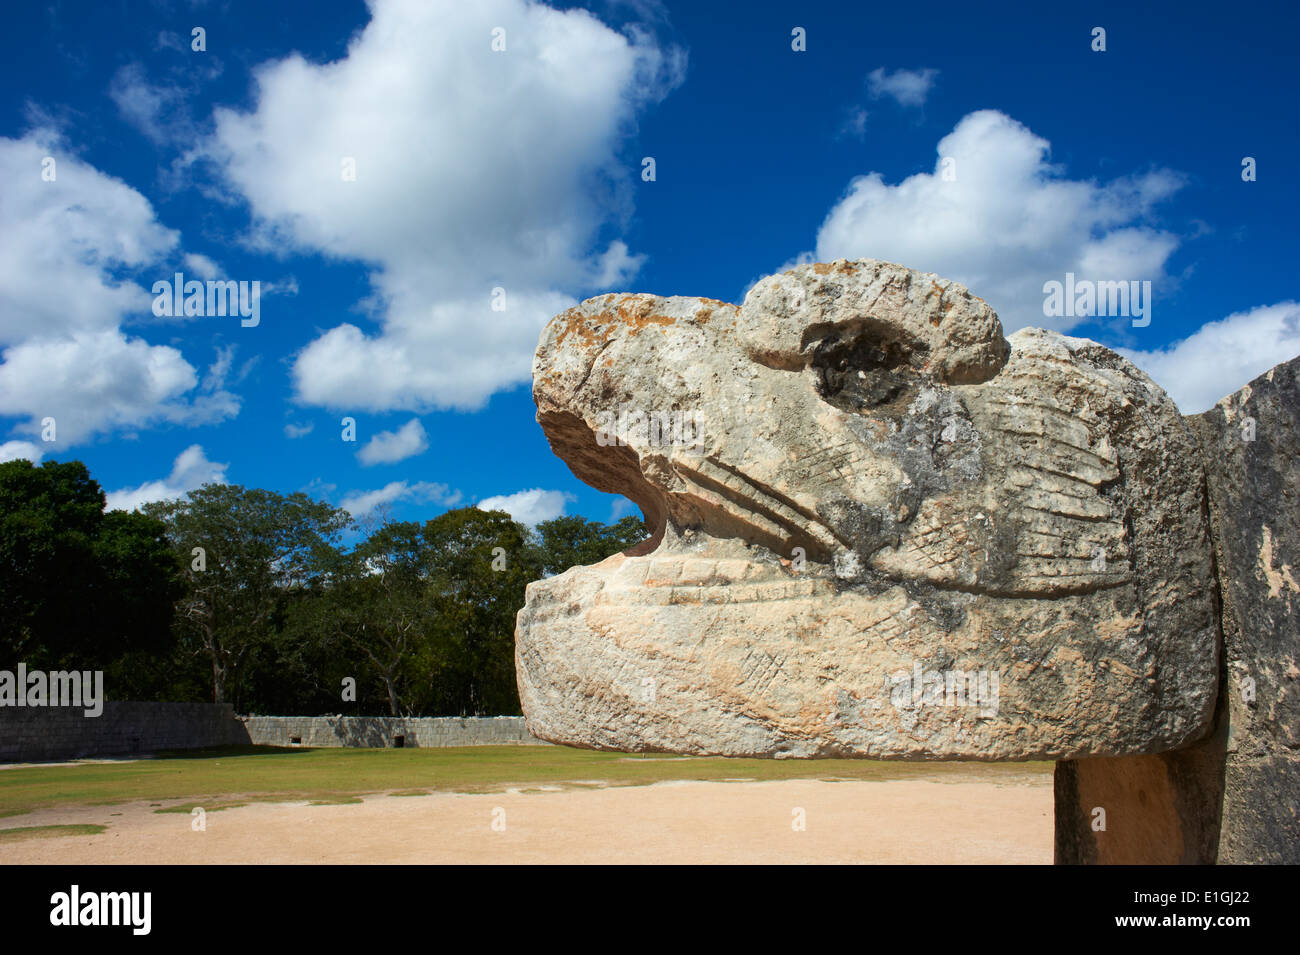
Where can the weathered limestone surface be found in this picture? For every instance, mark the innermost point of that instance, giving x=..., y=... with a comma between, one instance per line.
x=877, y=501
x=1251, y=442
x=1232, y=797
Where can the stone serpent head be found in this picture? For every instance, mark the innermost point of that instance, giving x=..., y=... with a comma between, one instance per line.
x=879, y=529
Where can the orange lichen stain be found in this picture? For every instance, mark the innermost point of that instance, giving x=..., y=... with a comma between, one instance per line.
x=712, y=307
x=848, y=268
x=635, y=312
x=575, y=322
x=638, y=313
x=821, y=268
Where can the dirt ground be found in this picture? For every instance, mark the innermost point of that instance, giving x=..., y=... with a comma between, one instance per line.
x=971, y=821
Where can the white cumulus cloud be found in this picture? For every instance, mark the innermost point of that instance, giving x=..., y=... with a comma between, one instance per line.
x=362, y=503
x=21, y=450
x=190, y=471
x=61, y=240
x=905, y=87
x=529, y=507
x=854, y=125
x=65, y=246
x=202, y=266
x=292, y=430
x=474, y=170
x=156, y=110
x=1007, y=223
x=104, y=381
x=1221, y=357
x=388, y=447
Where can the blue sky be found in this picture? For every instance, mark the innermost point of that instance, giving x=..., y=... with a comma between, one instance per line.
x=521, y=169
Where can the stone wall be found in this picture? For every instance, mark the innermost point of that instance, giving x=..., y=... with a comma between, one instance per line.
x=380, y=731
x=33, y=734
x=36, y=734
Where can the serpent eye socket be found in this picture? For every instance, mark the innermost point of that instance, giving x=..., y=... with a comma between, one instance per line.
x=866, y=372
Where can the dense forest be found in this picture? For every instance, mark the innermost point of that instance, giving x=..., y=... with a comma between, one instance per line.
x=277, y=604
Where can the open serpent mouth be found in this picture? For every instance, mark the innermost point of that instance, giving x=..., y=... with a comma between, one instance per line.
x=769, y=519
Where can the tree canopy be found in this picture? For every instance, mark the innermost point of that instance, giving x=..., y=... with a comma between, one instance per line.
x=77, y=584
x=275, y=603
x=242, y=552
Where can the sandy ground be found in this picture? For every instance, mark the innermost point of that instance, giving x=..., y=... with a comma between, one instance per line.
x=898, y=821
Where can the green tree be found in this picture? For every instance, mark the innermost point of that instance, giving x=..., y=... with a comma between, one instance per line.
x=573, y=541
x=375, y=605
x=78, y=585
x=245, y=552
x=480, y=563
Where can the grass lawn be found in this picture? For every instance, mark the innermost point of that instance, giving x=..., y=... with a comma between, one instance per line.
x=43, y=832
x=340, y=775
